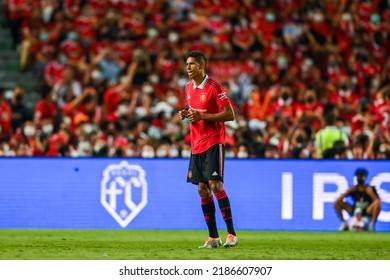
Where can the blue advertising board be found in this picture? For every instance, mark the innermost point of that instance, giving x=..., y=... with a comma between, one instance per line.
x=86, y=193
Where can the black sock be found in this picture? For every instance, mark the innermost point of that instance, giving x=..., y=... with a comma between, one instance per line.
x=208, y=208
x=224, y=206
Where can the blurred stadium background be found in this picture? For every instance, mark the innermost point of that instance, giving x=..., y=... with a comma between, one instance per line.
x=90, y=90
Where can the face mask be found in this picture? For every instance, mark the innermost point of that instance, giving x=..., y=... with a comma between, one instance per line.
x=300, y=139
x=63, y=59
x=318, y=17
x=281, y=61
x=44, y=36
x=8, y=94
x=310, y=99
x=123, y=80
x=123, y=109
x=72, y=36
x=96, y=74
x=97, y=148
x=88, y=129
x=182, y=82
x=346, y=17
x=130, y=153
x=152, y=33
x=185, y=153
x=161, y=153
x=242, y=154
x=307, y=63
x=172, y=100
x=206, y=40
x=147, y=154
x=83, y=147
x=47, y=128
x=270, y=17
x=173, y=152
x=242, y=123
x=360, y=181
x=47, y=13
x=229, y=155
x=173, y=37
x=154, y=79
x=29, y=131
x=285, y=96
x=67, y=120
x=147, y=89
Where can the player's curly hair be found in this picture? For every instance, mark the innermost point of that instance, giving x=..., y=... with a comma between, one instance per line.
x=199, y=57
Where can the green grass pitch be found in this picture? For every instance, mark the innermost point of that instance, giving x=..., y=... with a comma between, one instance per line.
x=183, y=245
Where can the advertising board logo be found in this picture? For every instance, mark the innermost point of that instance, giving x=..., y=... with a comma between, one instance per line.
x=124, y=191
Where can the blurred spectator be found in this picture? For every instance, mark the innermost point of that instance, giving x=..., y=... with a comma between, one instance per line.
x=326, y=138
x=118, y=67
x=67, y=88
x=20, y=112
x=5, y=116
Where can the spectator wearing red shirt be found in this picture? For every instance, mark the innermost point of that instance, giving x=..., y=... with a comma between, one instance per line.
x=5, y=116
x=243, y=38
x=74, y=50
x=46, y=108
x=283, y=108
x=265, y=27
x=44, y=49
x=310, y=111
x=345, y=98
x=87, y=23
x=53, y=70
x=383, y=111
x=18, y=10
x=115, y=95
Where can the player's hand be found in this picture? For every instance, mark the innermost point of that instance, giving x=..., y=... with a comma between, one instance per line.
x=194, y=116
x=182, y=114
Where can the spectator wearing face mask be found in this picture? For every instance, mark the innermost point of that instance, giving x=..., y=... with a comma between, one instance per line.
x=310, y=110
x=345, y=98
x=243, y=151
x=283, y=108
x=5, y=116
x=148, y=151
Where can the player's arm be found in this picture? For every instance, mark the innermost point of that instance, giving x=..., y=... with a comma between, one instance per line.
x=372, y=194
x=344, y=195
x=227, y=114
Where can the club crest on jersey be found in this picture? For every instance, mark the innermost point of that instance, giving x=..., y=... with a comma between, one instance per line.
x=123, y=191
x=203, y=97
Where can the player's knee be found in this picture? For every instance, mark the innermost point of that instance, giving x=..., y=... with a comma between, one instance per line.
x=377, y=204
x=203, y=190
x=215, y=186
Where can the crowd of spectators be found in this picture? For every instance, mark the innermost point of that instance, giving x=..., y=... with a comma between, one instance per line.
x=308, y=79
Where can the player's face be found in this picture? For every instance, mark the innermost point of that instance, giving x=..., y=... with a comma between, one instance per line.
x=193, y=68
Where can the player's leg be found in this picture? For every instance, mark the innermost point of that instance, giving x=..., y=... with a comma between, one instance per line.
x=195, y=176
x=340, y=206
x=214, y=171
x=224, y=206
x=208, y=208
x=373, y=210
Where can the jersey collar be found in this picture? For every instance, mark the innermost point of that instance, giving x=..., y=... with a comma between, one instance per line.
x=202, y=84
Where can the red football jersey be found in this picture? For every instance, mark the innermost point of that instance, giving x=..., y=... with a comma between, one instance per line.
x=209, y=97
